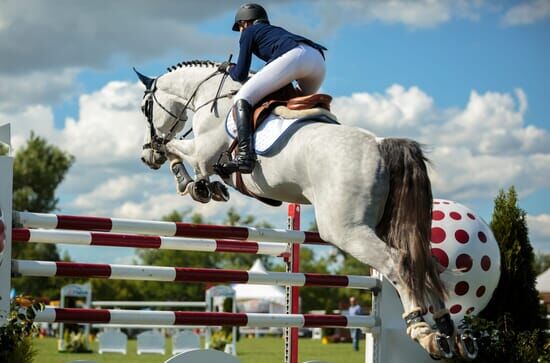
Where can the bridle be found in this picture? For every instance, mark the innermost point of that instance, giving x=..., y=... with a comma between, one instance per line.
x=157, y=142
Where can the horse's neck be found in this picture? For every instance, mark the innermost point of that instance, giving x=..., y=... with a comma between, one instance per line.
x=207, y=124
x=186, y=81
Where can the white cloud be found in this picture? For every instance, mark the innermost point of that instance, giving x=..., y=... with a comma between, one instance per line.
x=397, y=110
x=37, y=118
x=539, y=231
x=109, y=129
x=414, y=14
x=475, y=150
x=492, y=123
x=527, y=12
x=110, y=126
x=17, y=91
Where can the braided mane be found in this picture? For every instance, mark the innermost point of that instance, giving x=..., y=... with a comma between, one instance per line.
x=192, y=63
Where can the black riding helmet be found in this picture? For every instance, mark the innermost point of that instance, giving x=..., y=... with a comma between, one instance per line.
x=249, y=12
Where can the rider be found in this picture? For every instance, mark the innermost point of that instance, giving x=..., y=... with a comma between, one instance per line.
x=289, y=57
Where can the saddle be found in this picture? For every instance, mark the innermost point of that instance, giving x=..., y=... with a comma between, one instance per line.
x=291, y=98
x=288, y=97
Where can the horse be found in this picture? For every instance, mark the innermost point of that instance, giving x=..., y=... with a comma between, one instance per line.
x=371, y=196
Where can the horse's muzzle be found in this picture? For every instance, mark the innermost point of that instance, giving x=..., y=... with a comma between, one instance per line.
x=153, y=159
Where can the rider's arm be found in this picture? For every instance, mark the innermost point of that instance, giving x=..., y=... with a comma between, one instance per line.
x=239, y=72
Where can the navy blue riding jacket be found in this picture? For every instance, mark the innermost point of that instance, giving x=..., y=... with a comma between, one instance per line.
x=267, y=42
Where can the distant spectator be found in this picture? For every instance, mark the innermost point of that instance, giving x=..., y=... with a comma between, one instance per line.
x=354, y=309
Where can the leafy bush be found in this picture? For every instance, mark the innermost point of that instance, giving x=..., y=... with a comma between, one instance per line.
x=499, y=342
x=15, y=336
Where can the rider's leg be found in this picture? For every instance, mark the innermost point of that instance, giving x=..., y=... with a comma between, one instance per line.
x=275, y=75
x=246, y=157
x=314, y=75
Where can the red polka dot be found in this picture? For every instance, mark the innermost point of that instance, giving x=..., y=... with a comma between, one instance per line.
x=455, y=309
x=485, y=263
x=462, y=288
x=456, y=216
x=482, y=237
x=471, y=216
x=436, y=202
x=441, y=256
x=438, y=235
x=464, y=262
x=480, y=291
x=437, y=215
x=461, y=236
x=445, y=202
x=470, y=310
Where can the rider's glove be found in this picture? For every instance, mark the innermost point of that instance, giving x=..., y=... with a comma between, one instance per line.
x=224, y=67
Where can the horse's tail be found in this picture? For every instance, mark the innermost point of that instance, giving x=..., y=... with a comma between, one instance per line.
x=406, y=223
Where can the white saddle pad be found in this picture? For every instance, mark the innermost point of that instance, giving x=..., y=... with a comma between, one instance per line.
x=274, y=130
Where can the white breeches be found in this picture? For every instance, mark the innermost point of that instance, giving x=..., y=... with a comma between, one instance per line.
x=303, y=64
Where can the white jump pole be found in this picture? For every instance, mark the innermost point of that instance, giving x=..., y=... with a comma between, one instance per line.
x=6, y=186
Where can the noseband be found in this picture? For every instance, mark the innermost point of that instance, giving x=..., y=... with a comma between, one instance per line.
x=157, y=142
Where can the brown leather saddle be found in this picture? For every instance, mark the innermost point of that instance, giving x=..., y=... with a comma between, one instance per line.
x=292, y=99
x=287, y=96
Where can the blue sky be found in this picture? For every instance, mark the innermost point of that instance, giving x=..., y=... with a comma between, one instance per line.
x=430, y=70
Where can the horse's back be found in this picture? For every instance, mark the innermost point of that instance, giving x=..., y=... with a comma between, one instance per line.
x=334, y=167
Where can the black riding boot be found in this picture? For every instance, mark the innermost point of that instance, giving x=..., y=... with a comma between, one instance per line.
x=246, y=157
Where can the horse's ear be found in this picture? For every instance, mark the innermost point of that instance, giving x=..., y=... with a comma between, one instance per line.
x=147, y=82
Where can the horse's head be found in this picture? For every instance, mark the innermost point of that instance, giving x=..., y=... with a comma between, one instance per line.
x=166, y=115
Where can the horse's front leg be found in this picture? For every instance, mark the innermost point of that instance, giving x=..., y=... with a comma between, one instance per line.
x=179, y=151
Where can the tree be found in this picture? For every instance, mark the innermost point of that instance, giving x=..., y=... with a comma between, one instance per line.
x=515, y=295
x=243, y=260
x=176, y=291
x=38, y=170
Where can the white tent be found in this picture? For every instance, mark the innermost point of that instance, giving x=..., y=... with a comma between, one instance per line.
x=543, y=282
x=260, y=298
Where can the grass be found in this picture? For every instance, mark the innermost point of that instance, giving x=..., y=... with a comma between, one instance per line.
x=260, y=350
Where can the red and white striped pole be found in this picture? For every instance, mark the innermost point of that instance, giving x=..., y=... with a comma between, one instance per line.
x=186, y=274
x=292, y=292
x=197, y=318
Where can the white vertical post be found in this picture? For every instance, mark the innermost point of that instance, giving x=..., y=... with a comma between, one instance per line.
x=389, y=343
x=6, y=186
x=74, y=290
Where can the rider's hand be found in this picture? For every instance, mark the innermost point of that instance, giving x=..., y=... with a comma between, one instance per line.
x=224, y=67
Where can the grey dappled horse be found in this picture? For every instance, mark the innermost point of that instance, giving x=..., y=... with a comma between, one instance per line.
x=372, y=197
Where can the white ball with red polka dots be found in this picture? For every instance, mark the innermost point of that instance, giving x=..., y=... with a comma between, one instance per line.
x=463, y=243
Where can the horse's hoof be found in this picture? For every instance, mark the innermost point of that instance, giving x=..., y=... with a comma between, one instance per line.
x=445, y=324
x=220, y=193
x=467, y=345
x=444, y=345
x=200, y=192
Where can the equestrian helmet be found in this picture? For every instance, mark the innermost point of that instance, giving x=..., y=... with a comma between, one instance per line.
x=249, y=12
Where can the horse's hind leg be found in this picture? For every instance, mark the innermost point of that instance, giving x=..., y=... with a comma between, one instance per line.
x=363, y=244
